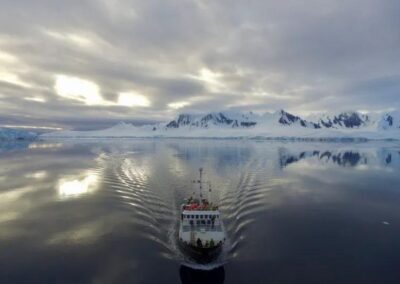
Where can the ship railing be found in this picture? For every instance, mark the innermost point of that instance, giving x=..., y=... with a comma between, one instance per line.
x=199, y=228
x=215, y=208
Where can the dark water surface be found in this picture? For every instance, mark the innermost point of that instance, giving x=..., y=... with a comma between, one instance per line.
x=107, y=212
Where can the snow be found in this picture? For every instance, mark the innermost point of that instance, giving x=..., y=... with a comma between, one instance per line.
x=276, y=125
x=390, y=120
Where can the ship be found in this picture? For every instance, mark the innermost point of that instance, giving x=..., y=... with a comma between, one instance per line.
x=201, y=231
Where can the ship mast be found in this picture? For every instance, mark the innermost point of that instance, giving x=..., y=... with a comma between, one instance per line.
x=209, y=191
x=201, y=183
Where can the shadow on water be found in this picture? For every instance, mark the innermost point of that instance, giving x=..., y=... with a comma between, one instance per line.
x=194, y=276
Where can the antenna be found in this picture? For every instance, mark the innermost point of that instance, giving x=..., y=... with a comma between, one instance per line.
x=209, y=191
x=200, y=182
x=194, y=189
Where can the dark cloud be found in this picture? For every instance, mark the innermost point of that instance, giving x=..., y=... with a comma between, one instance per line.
x=204, y=55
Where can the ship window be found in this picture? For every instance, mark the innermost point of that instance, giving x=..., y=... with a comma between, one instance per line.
x=191, y=222
x=197, y=216
x=192, y=216
x=201, y=216
x=203, y=222
x=198, y=222
x=208, y=222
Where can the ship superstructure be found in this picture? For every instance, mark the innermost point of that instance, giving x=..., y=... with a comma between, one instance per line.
x=201, y=231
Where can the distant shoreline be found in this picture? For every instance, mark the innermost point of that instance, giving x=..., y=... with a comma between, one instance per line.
x=294, y=139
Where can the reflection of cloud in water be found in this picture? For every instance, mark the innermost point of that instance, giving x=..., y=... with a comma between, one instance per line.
x=13, y=195
x=6, y=146
x=217, y=154
x=82, y=234
x=8, y=216
x=44, y=145
x=75, y=187
x=103, y=238
x=8, y=209
x=136, y=170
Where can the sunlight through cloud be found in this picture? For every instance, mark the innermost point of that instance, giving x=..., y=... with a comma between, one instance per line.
x=37, y=175
x=36, y=99
x=7, y=58
x=13, y=79
x=76, y=39
x=178, y=105
x=78, y=89
x=211, y=79
x=131, y=99
x=89, y=93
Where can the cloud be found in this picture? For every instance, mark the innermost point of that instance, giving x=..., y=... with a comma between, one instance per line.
x=89, y=93
x=178, y=105
x=78, y=89
x=147, y=60
x=131, y=99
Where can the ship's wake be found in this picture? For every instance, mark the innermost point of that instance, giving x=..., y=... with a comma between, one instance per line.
x=154, y=207
x=240, y=203
x=136, y=192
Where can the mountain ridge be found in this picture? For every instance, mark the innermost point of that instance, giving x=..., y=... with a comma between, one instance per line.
x=248, y=124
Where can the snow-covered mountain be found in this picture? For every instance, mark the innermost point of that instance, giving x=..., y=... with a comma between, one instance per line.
x=240, y=120
x=280, y=124
x=286, y=118
x=390, y=121
x=344, y=120
x=233, y=120
x=7, y=134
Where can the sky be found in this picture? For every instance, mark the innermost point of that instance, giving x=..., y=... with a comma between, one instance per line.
x=89, y=64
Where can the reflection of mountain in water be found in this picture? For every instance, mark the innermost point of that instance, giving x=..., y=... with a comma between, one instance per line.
x=343, y=158
x=226, y=153
x=194, y=276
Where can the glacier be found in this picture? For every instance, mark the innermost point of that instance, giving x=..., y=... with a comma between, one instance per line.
x=270, y=125
x=9, y=134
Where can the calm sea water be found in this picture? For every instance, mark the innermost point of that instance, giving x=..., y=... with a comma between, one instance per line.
x=107, y=212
